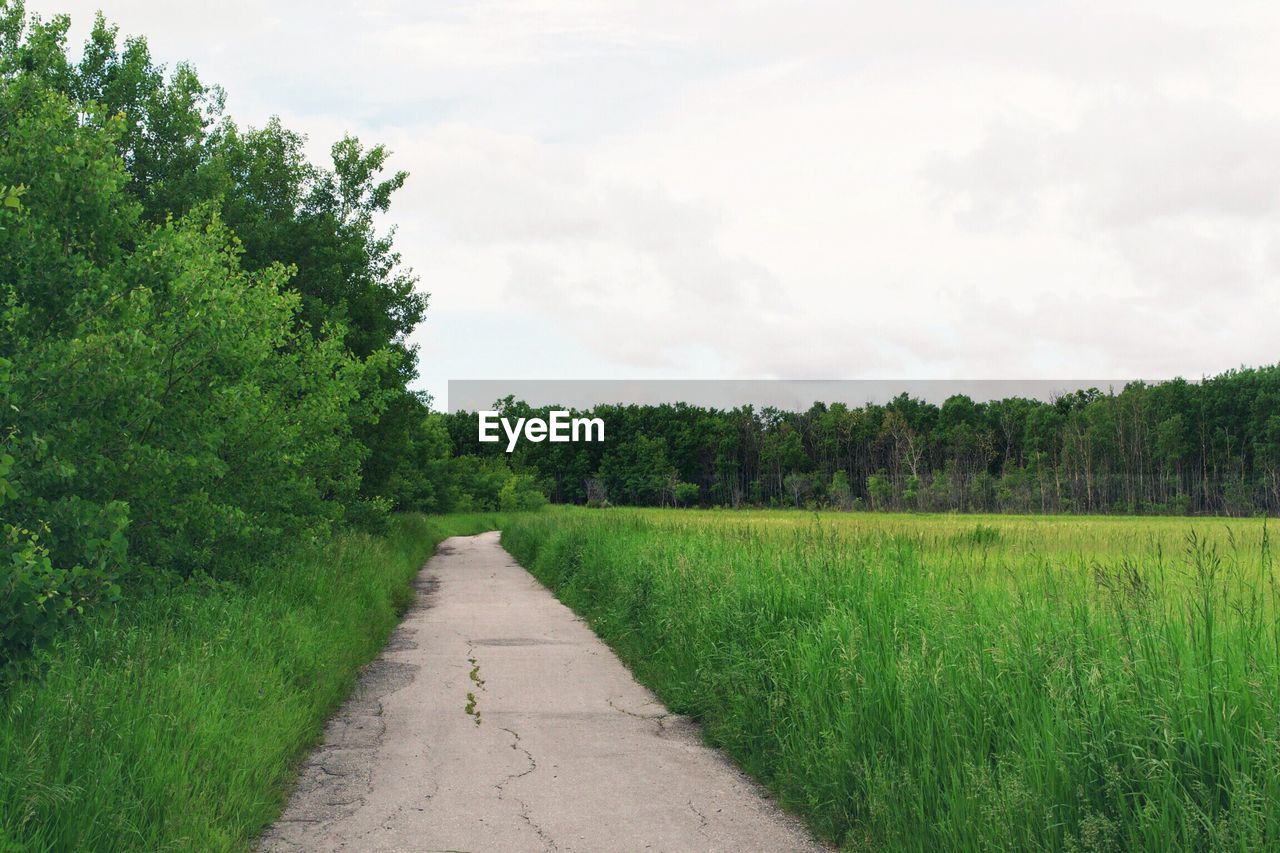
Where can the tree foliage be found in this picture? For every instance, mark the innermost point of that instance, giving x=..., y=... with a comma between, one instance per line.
x=204, y=336
x=1210, y=447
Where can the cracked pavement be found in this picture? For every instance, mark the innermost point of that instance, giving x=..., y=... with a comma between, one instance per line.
x=562, y=751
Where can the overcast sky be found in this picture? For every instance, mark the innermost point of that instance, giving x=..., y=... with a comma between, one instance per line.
x=793, y=190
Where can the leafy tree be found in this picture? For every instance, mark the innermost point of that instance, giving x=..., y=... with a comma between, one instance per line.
x=476, y=483
x=911, y=493
x=37, y=595
x=686, y=494
x=204, y=336
x=638, y=471
x=520, y=493
x=880, y=489
x=840, y=492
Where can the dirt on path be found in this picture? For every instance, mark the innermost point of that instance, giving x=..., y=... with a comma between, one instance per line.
x=495, y=720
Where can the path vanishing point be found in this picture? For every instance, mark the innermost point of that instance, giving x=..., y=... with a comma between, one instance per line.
x=496, y=720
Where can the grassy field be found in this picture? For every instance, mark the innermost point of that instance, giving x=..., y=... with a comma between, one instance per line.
x=177, y=722
x=955, y=682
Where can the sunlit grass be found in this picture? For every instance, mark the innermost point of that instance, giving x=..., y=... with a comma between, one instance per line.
x=956, y=682
x=177, y=722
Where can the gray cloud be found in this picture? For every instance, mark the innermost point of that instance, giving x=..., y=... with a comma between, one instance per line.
x=1125, y=164
x=825, y=189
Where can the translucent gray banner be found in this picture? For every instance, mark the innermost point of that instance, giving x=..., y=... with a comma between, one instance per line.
x=787, y=394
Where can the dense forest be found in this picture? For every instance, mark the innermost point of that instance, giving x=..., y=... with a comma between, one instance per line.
x=203, y=352
x=1170, y=447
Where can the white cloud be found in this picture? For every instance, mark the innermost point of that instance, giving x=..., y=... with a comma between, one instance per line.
x=819, y=189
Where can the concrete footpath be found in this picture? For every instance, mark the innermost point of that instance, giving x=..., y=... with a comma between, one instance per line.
x=495, y=720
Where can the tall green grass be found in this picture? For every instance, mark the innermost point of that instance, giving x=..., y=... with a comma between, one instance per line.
x=177, y=721
x=917, y=683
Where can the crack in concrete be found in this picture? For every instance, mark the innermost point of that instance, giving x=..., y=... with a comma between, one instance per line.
x=615, y=706
x=703, y=823
x=501, y=787
x=515, y=744
x=666, y=724
x=659, y=719
x=388, y=822
x=337, y=778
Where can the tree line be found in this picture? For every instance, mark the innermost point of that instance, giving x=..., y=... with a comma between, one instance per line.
x=203, y=335
x=1178, y=447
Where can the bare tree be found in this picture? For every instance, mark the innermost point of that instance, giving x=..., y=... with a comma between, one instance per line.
x=799, y=486
x=908, y=446
x=597, y=494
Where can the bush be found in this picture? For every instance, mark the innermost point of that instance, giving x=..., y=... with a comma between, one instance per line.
x=370, y=515
x=487, y=484
x=206, y=331
x=521, y=494
x=880, y=489
x=840, y=492
x=686, y=494
x=38, y=597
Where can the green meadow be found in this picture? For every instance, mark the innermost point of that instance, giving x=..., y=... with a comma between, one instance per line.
x=177, y=722
x=911, y=682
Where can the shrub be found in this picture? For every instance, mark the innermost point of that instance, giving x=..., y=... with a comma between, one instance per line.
x=521, y=493
x=37, y=597
x=686, y=493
